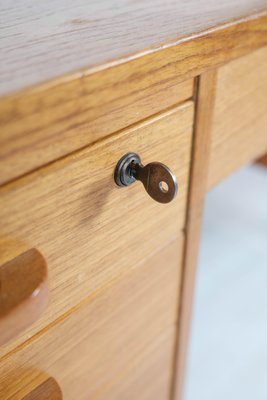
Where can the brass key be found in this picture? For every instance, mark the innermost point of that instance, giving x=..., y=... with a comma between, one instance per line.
x=158, y=180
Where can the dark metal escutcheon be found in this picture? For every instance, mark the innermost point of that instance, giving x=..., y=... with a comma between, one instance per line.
x=158, y=180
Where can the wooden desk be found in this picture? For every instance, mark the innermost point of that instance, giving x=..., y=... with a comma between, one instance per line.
x=82, y=84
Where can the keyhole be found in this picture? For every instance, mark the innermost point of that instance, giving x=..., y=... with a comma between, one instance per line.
x=164, y=187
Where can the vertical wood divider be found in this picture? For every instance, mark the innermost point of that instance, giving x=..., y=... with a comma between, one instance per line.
x=205, y=95
x=263, y=160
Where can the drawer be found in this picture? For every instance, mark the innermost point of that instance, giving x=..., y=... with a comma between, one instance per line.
x=40, y=126
x=113, y=345
x=89, y=230
x=239, y=132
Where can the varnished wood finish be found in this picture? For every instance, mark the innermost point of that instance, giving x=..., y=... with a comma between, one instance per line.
x=23, y=288
x=48, y=390
x=155, y=367
x=45, y=123
x=118, y=323
x=118, y=345
x=239, y=132
x=35, y=131
x=88, y=229
x=38, y=45
x=198, y=179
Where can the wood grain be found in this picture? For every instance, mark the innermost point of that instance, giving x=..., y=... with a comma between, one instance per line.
x=38, y=44
x=88, y=229
x=23, y=288
x=239, y=132
x=37, y=131
x=112, y=346
x=197, y=189
x=44, y=123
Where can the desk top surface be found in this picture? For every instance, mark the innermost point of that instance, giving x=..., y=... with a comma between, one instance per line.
x=41, y=41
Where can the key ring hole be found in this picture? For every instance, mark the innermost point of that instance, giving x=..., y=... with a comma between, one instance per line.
x=163, y=186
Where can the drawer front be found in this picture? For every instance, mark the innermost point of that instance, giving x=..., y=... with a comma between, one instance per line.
x=40, y=126
x=89, y=230
x=114, y=345
x=240, y=118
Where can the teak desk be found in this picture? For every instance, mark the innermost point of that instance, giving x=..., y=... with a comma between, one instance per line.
x=82, y=84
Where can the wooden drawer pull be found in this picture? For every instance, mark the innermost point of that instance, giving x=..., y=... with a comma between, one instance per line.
x=48, y=390
x=158, y=180
x=23, y=288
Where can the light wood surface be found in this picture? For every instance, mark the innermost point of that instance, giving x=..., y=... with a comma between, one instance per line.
x=239, y=132
x=23, y=288
x=79, y=88
x=118, y=345
x=39, y=43
x=44, y=123
x=197, y=189
x=151, y=379
x=88, y=229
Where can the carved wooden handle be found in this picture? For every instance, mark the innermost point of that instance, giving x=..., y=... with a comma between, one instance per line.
x=48, y=390
x=23, y=287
